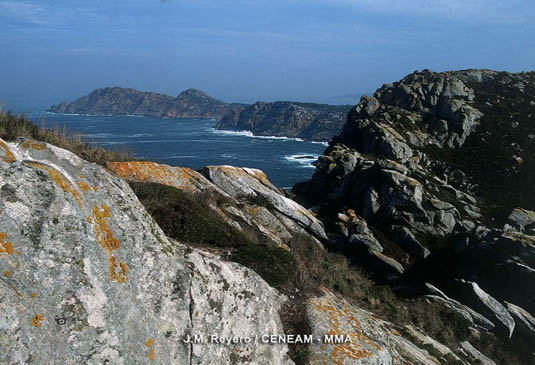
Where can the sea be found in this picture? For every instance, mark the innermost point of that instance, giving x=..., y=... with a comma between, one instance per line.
x=193, y=143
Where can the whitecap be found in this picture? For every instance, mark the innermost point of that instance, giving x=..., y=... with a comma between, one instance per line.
x=251, y=135
x=305, y=160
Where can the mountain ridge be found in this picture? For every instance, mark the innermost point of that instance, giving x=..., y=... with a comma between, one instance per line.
x=115, y=100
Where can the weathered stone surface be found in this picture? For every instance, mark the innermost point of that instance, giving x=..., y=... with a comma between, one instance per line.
x=475, y=355
x=88, y=276
x=373, y=341
x=240, y=182
x=464, y=311
x=524, y=321
x=424, y=340
x=522, y=220
x=182, y=178
x=276, y=226
x=478, y=299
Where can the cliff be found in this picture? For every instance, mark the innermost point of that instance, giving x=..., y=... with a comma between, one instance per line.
x=316, y=122
x=120, y=101
x=428, y=187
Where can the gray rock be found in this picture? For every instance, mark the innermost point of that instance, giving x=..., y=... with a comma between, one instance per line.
x=462, y=310
x=268, y=224
x=522, y=219
x=88, y=276
x=478, y=299
x=475, y=355
x=387, y=264
x=238, y=182
x=373, y=341
x=406, y=239
x=524, y=320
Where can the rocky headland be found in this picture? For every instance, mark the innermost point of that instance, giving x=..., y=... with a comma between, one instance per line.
x=415, y=238
x=123, y=101
x=315, y=122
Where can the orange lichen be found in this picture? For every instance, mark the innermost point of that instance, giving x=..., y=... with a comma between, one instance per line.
x=59, y=179
x=105, y=235
x=35, y=145
x=34, y=295
x=343, y=351
x=9, y=157
x=36, y=321
x=196, y=314
x=150, y=344
x=108, y=241
x=6, y=246
x=81, y=176
x=7, y=274
x=143, y=171
x=95, y=188
x=84, y=186
x=120, y=277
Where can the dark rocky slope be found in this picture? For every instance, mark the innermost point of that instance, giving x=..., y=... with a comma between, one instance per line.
x=316, y=122
x=430, y=182
x=120, y=101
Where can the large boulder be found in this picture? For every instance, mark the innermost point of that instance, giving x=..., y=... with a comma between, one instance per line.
x=242, y=182
x=88, y=276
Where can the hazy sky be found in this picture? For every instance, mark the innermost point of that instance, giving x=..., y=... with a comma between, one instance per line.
x=248, y=50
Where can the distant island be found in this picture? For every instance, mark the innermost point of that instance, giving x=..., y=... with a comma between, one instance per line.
x=316, y=122
x=190, y=103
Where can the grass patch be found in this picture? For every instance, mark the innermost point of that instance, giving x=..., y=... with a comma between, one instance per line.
x=186, y=217
x=13, y=127
x=275, y=265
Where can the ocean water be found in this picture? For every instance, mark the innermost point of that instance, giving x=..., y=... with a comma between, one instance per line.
x=194, y=143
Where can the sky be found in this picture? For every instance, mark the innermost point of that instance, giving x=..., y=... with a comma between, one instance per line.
x=328, y=51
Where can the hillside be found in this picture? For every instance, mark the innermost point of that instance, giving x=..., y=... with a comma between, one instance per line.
x=316, y=122
x=429, y=188
x=418, y=242
x=120, y=101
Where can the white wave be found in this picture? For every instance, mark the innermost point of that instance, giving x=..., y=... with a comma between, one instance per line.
x=233, y=133
x=251, y=135
x=138, y=135
x=101, y=135
x=326, y=144
x=305, y=160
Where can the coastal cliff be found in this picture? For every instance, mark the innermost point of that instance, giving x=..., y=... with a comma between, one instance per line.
x=414, y=241
x=315, y=122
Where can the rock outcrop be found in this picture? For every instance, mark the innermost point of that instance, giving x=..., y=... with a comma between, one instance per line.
x=434, y=169
x=88, y=276
x=316, y=122
x=122, y=101
x=366, y=338
x=275, y=216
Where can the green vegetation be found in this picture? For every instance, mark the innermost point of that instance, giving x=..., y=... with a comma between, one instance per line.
x=505, y=130
x=12, y=127
x=189, y=218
